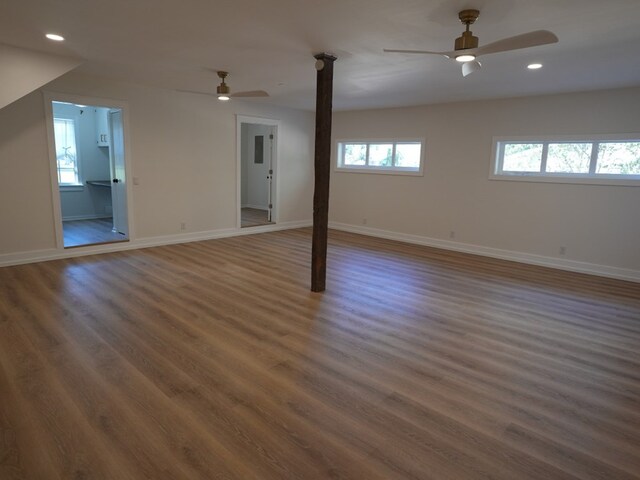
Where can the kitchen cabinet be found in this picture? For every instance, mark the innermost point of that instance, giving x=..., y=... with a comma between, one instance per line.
x=102, y=127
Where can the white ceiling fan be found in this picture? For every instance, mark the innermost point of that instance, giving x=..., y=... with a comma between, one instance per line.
x=223, y=92
x=466, y=49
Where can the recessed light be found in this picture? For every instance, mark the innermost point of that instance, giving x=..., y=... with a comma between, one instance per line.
x=54, y=37
x=534, y=66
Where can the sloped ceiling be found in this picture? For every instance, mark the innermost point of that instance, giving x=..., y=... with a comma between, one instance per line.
x=269, y=45
x=23, y=71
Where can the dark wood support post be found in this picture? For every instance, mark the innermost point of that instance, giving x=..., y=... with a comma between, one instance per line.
x=324, y=95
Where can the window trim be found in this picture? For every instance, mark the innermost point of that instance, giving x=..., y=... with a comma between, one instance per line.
x=338, y=167
x=70, y=187
x=590, y=178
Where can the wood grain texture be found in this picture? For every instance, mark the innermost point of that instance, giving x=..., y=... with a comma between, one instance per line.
x=96, y=231
x=213, y=360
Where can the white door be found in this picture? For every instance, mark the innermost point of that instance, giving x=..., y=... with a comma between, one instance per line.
x=118, y=176
x=269, y=161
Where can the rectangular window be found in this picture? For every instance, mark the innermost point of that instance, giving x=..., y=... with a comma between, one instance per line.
x=66, y=152
x=599, y=159
x=395, y=157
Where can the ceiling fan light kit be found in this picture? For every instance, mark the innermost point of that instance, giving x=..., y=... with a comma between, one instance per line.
x=467, y=50
x=223, y=89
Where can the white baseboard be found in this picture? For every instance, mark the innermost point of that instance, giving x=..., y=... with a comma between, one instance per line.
x=33, y=256
x=558, y=263
x=256, y=207
x=85, y=217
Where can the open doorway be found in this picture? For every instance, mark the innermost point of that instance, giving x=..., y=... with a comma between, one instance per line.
x=88, y=166
x=257, y=165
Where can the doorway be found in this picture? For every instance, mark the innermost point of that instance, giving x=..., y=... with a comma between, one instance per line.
x=88, y=173
x=257, y=166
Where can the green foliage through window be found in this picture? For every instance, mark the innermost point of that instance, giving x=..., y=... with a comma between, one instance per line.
x=578, y=159
x=392, y=156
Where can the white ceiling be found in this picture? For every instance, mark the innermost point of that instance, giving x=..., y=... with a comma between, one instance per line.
x=268, y=44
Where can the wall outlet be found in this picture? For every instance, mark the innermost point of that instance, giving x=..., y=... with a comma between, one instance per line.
x=563, y=250
x=364, y=221
x=183, y=226
x=452, y=234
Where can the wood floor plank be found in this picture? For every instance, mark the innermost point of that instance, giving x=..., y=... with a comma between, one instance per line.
x=213, y=360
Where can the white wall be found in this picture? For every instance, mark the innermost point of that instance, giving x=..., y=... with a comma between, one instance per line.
x=86, y=201
x=598, y=225
x=182, y=153
x=22, y=71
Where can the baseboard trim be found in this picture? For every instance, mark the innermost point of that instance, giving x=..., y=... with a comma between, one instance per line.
x=85, y=217
x=20, y=258
x=256, y=207
x=558, y=263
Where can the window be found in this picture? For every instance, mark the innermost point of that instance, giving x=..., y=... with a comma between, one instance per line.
x=396, y=157
x=603, y=159
x=66, y=153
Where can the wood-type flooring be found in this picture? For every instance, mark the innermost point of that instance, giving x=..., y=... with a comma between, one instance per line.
x=213, y=360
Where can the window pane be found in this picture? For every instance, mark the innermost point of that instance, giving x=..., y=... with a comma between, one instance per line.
x=67, y=176
x=621, y=158
x=380, y=155
x=355, y=154
x=522, y=157
x=569, y=157
x=65, y=141
x=408, y=155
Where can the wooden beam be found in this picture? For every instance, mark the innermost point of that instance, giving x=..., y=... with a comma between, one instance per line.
x=324, y=95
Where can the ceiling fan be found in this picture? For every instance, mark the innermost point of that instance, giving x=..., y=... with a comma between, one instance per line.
x=466, y=49
x=223, y=92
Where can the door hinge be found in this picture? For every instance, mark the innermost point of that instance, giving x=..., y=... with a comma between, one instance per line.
x=270, y=172
x=271, y=136
x=271, y=205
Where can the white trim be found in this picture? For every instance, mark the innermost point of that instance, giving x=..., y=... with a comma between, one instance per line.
x=48, y=97
x=33, y=256
x=240, y=119
x=256, y=207
x=339, y=168
x=528, y=258
x=73, y=218
x=567, y=178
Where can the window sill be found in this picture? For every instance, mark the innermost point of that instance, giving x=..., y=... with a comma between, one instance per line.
x=614, y=180
x=378, y=171
x=71, y=188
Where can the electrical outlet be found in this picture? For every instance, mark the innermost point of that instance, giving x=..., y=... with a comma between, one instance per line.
x=563, y=250
x=452, y=234
x=364, y=221
x=183, y=226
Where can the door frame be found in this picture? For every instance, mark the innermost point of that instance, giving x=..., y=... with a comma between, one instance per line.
x=275, y=178
x=49, y=97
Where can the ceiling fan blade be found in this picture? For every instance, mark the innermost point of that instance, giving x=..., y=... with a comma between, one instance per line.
x=526, y=40
x=422, y=52
x=469, y=67
x=199, y=93
x=252, y=93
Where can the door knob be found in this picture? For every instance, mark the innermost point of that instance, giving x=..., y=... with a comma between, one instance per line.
x=115, y=180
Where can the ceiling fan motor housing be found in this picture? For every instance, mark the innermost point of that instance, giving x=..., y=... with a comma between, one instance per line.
x=467, y=40
x=223, y=88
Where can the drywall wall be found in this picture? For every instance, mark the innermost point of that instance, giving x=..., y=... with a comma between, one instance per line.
x=183, y=156
x=598, y=225
x=22, y=71
x=86, y=201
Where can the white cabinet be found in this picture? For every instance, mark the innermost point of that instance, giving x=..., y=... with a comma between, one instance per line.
x=102, y=127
